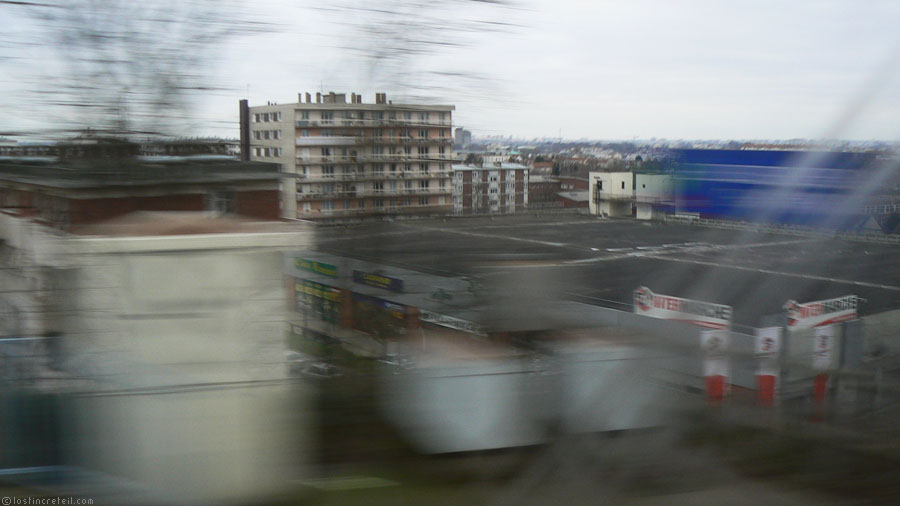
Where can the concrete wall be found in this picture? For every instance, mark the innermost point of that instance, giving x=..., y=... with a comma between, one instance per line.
x=184, y=349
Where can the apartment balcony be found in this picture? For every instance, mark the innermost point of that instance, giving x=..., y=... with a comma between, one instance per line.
x=323, y=195
x=373, y=123
x=324, y=178
x=326, y=141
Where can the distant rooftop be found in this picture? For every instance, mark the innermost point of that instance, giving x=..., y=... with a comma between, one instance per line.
x=355, y=99
x=134, y=171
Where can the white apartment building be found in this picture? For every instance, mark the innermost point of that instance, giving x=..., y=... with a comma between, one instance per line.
x=347, y=158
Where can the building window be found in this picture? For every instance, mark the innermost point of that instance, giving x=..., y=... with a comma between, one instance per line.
x=423, y=184
x=423, y=133
x=256, y=134
x=256, y=118
x=266, y=134
x=393, y=186
x=379, y=203
x=443, y=183
x=378, y=186
x=623, y=185
x=304, y=115
x=407, y=185
x=378, y=168
x=304, y=133
x=423, y=201
x=328, y=170
x=327, y=115
x=257, y=151
x=328, y=205
x=423, y=150
x=362, y=204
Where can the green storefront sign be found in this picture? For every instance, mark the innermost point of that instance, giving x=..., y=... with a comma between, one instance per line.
x=316, y=267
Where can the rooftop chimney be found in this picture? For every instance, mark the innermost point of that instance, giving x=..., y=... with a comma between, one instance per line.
x=318, y=98
x=308, y=98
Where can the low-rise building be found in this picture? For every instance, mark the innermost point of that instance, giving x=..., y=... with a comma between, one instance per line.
x=612, y=193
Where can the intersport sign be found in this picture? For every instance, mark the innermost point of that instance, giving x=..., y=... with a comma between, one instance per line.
x=695, y=312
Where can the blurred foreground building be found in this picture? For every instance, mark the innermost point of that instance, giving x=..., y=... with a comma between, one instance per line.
x=351, y=159
x=150, y=296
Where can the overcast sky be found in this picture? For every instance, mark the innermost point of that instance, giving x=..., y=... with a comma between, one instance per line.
x=579, y=69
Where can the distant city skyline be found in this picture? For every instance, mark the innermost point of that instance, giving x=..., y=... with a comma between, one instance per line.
x=576, y=70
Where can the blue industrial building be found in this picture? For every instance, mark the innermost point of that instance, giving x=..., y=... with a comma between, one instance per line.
x=808, y=188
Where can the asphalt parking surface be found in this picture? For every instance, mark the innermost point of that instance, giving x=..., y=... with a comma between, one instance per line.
x=603, y=261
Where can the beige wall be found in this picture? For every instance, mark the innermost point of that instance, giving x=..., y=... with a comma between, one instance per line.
x=183, y=340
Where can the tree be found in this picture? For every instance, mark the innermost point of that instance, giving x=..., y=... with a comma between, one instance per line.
x=129, y=67
x=396, y=41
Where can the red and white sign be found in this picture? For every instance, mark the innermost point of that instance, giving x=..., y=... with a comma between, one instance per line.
x=714, y=347
x=824, y=339
x=768, y=344
x=821, y=312
x=704, y=314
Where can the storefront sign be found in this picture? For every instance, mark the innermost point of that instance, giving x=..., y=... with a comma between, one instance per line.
x=450, y=322
x=378, y=281
x=821, y=312
x=316, y=267
x=704, y=314
x=318, y=290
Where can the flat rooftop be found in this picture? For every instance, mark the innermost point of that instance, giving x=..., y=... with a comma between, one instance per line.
x=137, y=171
x=601, y=261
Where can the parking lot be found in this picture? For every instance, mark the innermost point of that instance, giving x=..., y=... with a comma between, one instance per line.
x=602, y=261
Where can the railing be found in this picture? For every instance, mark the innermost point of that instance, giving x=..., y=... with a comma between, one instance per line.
x=784, y=229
